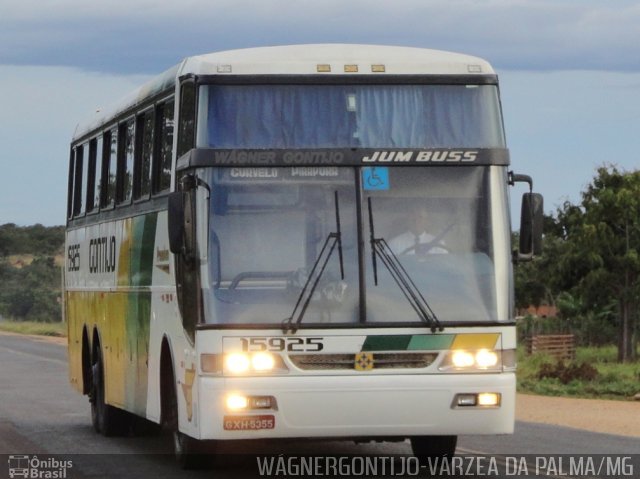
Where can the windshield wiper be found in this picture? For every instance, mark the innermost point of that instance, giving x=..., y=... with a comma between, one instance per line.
x=304, y=298
x=379, y=247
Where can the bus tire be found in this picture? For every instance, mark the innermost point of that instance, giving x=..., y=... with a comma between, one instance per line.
x=106, y=419
x=187, y=450
x=432, y=447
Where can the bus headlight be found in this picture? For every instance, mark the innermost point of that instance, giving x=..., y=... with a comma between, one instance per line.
x=462, y=359
x=263, y=362
x=470, y=361
x=248, y=363
x=237, y=363
x=486, y=359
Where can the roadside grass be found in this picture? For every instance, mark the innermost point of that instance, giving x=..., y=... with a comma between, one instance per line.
x=595, y=373
x=34, y=327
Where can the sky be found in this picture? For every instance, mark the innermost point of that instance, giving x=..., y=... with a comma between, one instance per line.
x=569, y=73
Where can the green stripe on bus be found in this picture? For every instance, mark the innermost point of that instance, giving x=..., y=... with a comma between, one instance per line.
x=430, y=342
x=386, y=343
x=418, y=342
x=143, y=249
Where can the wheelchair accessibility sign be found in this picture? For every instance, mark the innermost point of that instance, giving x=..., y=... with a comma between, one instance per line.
x=375, y=178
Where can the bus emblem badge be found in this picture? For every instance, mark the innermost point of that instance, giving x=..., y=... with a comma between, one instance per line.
x=363, y=362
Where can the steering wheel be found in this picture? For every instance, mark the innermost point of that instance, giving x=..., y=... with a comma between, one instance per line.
x=424, y=248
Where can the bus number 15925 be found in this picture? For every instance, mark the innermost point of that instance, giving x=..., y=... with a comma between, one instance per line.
x=297, y=345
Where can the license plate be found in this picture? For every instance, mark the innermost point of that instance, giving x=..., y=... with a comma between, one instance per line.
x=249, y=423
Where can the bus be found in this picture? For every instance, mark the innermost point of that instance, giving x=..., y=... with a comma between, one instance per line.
x=307, y=241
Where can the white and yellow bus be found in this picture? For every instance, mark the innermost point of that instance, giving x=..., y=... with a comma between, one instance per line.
x=298, y=242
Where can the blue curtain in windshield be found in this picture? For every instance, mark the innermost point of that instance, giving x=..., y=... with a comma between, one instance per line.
x=277, y=117
x=343, y=116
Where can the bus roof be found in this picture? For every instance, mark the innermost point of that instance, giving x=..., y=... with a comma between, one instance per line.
x=321, y=60
x=304, y=60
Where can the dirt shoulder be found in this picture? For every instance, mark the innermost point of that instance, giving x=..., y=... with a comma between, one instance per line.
x=621, y=418
x=48, y=339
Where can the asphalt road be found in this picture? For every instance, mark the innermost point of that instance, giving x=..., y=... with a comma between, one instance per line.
x=42, y=416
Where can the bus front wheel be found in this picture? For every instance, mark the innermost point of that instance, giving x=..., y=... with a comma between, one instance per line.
x=425, y=447
x=187, y=450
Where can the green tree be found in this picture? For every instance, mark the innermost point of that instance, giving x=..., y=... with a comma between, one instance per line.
x=30, y=289
x=36, y=239
x=603, y=254
x=541, y=280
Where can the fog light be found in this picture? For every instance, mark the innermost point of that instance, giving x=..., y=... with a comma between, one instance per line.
x=235, y=402
x=261, y=402
x=488, y=399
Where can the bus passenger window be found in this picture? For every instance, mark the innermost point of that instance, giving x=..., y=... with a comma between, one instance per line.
x=97, y=194
x=70, y=185
x=143, y=155
x=164, y=147
x=95, y=167
x=109, y=168
x=80, y=183
x=125, y=162
x=187, y=123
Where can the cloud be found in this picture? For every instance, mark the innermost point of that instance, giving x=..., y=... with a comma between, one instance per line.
x=561, y=126
x=147, y=37
x=40, y=109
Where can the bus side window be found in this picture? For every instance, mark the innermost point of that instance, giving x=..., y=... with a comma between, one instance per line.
x=124, y=181
x=163, y=154
x=80, y=182
x=93, y=186
x=187, y=121
x=70, y=184
x=97, y=194
x=109, y=168
x=143, y=155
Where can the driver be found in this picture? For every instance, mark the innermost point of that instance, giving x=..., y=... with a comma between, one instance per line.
x=416, y=240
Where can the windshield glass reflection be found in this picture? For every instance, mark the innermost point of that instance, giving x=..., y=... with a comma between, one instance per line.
x=268, y=228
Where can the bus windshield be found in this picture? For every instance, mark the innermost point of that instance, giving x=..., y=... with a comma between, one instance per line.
x=267, y=229
x=349, y=116
x=268, y=226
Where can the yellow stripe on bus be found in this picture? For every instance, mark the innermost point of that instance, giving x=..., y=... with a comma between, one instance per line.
x=475, y=341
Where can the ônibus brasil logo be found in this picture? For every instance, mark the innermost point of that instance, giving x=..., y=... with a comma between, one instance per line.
x=33, y=467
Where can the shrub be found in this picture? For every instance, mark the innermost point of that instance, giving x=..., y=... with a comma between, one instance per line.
x=567, y=372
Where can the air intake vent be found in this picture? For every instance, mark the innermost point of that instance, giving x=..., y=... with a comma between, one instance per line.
x=315, y=362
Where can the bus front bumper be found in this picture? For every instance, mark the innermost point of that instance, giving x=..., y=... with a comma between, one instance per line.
x=355, y=406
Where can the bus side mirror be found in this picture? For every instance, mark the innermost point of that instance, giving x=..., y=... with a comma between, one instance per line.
x=531, y=221
x=176, y=222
